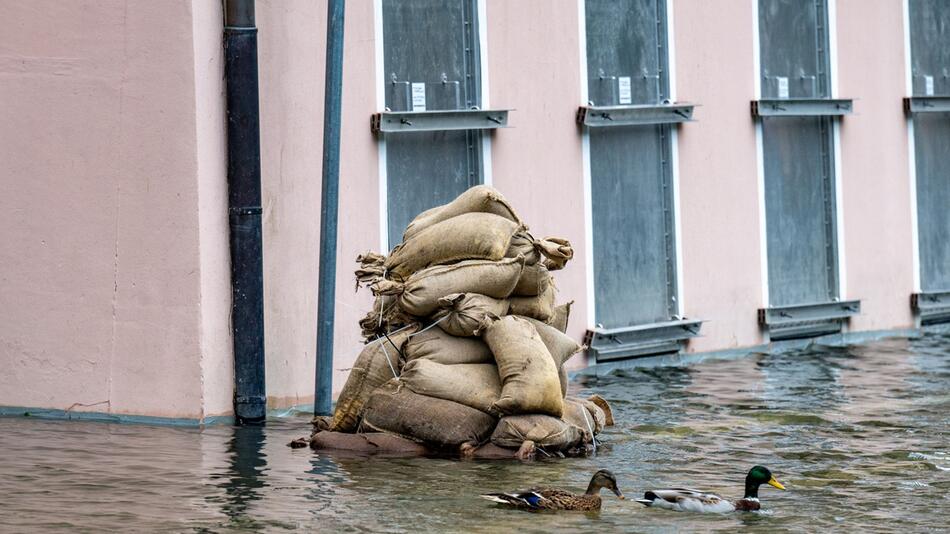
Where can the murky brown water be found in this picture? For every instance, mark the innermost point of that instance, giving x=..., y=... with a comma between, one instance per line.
x=860, y=436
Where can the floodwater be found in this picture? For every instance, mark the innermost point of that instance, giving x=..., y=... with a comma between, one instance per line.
x=860, y=436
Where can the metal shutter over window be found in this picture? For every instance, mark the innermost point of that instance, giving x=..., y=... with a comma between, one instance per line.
x=431, y=63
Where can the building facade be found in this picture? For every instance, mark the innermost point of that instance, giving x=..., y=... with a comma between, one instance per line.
x=730, y=173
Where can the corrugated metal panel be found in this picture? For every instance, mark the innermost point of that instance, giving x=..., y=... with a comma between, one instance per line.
x=430, y=45
x=794, y=48
x=631, y=193
x=930, y=60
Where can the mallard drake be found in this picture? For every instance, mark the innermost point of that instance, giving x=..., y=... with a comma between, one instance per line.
x=689, y=500
x=558, y=499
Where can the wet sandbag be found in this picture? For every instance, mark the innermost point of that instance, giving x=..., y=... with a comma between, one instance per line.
x=470, y=236
x=561, y=346
x=476, y=385
x=461, y=314
x=534, y=281
x=585, y=415
x=374, y=366
x=540, y=307
x=439, y=423
x=549, y=433
x=370, y=443
x=528, y=373
x=605, y=406
x=478, y=199
x=562, y=313
x=436, y=345
x=420, y=294
x=552, y=252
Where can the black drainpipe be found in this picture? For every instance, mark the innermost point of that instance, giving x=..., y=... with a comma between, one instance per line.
x=326, y=297
x=244, y=210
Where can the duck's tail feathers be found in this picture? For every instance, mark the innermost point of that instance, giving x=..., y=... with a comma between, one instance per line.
x=645, y=502
x=504, y=498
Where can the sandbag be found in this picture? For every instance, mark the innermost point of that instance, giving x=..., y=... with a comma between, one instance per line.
x=460, y=314
x=554, y=251
x=420, y=294
x=534, y=280
x=436, y=345
x=476, y=385
x=374, y=366
x=549, y=433
x=528, y=373
x=540, y=307
x=435, y=422
x=605, y=406
x=562, y=313
x=478, y=199
x=585, y=415
x=371, y=443
x=372, y=268
x=385, y=317
x=560, y=345
x=470, y=236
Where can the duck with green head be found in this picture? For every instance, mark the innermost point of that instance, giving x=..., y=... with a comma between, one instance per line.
x=558, y=499
x=690, y=500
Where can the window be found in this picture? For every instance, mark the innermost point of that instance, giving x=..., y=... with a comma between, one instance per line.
x=431, y=63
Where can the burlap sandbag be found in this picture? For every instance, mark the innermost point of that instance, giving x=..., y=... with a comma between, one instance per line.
x=372, y=268
x=562, y=313
x=560, y=345
x=370, y=443
x=435, y=422
x=540, y=307
x=549, y=433
x=420, y=294
x=473, y=384
x=437, y=346
x=585, y=415
x=385, y=316
x=534, y=280
x=470, y=236
x=376, y=364
x=554, y=251
x=461, y=314
x=529, y=376
x=478, y=199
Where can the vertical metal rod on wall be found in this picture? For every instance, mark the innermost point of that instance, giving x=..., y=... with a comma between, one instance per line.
x=326, y=298
x=244, y=210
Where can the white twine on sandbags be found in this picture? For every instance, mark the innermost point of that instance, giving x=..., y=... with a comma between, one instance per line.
x=428, y=327
x=593, y=440
x=391, y=368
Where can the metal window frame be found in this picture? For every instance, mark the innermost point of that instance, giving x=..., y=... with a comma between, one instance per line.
x=807, y=320
x=635, y=115
x=612, y=344
x=932, y=307
x=926, y=104
x=388, y=122
x=802, y=107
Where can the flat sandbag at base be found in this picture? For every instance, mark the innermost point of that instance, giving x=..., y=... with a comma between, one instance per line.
x=373, y=367
x=475, y=384
x=549, y=433
x=540, y=307
x=562, y=312
x=462, y=313
x=437, y=346
x=534, y=280
x=529, y=376
x=420, y=294
x=371, y=443
x=435, y=422
x=470, y=236
x=597, y=415
x=478, y=199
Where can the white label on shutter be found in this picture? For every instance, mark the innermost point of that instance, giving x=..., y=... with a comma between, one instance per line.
x=626, y=97
x=418, y=96
x=782, y=86
x=929, y=85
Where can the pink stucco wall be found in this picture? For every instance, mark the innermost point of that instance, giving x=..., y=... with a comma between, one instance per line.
x=720, y=219
x=874, y=159
x=101, y=271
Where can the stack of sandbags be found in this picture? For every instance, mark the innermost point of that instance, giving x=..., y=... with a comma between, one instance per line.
x=465, y=344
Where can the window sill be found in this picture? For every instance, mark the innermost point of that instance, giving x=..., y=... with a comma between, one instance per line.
x=802, y=107
x=932, y=307
x=435, y=121
x=609, y=344
x=926, y=104
x=807, y=320
x=634, y=115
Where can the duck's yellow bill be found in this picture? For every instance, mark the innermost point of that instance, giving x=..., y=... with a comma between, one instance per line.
x=776, y=483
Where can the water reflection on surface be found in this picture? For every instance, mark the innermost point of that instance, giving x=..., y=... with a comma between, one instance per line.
x=859, y=435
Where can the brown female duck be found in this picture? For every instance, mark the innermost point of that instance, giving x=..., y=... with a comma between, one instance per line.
x=558, y=499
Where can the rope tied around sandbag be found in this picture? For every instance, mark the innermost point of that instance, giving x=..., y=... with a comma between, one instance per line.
x=593, y=440
x=371, y=269
x=428, y=327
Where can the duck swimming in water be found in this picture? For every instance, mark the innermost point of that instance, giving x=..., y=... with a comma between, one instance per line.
x=558, y=499
x=690, y=500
